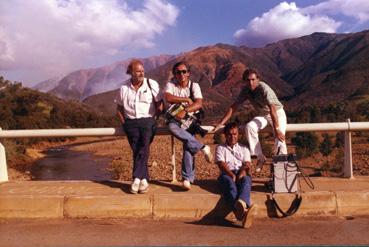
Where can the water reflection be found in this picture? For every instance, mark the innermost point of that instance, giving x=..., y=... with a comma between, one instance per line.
x=64, y=164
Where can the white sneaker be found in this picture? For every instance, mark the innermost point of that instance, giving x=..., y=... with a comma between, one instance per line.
x=240, y=208
x=186, y=185
x=249, y=216
x=135, y=186
x=207, y=152
x=260, y=163
x=144, y=186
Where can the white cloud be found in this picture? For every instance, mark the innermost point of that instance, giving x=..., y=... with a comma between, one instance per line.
x=286, y=20
x=56, y=36
x=357, y=9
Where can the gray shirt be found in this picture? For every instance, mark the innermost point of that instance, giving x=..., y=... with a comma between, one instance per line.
x=260, y=98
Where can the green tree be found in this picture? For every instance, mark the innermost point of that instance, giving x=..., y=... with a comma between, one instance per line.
x=326, y=146
x=315, y=114
x=340, y=139
x=306, y=143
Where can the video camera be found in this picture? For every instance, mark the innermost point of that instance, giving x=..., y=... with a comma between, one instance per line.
x=191, y=122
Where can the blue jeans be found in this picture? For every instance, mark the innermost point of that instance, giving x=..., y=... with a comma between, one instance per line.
x=190, y=147
x=232, y=191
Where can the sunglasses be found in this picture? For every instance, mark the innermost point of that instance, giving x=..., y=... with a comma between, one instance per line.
x=178, y=72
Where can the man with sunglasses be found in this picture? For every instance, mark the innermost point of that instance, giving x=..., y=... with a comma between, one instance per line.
x=137, y=102
x=270, y=111
x=178, y=91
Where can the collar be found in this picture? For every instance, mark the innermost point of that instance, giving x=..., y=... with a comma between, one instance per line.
x=179, y=85
x=231, y=148
x=143, y=85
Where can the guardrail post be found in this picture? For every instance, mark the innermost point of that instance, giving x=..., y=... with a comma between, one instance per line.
x=174, y=176
x=347, y=166
x=3, y=166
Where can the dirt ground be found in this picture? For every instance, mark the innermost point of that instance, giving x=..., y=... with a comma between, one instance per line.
x=160, y=165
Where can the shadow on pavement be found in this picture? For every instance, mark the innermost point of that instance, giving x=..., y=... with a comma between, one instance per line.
x=217, y=216
x=208, y=185
x=168, y=184
x=113, y=184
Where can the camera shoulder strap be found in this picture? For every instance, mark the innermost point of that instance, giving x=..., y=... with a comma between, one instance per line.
x=191, y=91
x=148, y=83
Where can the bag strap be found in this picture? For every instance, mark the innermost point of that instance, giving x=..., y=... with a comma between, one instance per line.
x=191, y=91
x=157, y=104
x=295, y=205
x=148, y=83
x=192, y=97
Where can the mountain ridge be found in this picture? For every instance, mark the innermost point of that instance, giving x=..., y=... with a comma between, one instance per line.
x=313, y=69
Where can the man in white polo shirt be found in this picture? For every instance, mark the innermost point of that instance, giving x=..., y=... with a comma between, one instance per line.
x=137, y=102
x=270, y=111
x=234, y=161
x=182, y=90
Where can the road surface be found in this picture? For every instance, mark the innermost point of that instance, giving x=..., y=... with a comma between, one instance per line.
x=118, y=232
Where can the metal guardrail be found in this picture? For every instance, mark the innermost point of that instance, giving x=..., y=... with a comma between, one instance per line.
x=347, y=127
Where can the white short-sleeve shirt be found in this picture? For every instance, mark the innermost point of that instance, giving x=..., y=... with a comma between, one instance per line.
x=140, y=103
x=232, y=156
x=176, y=90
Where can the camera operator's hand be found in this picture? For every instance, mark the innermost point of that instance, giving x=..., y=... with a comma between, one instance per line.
x=189, y=101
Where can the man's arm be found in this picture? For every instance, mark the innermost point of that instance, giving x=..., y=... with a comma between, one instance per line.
x=232, y=109
x=224, y=168
x=157, y=96
x=170, y=98
x=196, y=105
x=273, y=113
x=120, y=113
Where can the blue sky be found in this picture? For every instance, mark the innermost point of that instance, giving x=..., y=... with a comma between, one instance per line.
x=40, y=39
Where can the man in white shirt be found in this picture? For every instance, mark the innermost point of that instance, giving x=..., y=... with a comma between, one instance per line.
x=138, y=100
x=270, y=111
x=179, y=91
x=234, y=161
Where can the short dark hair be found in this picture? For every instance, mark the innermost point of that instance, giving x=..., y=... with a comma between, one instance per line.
x=229, y=126
x=176, y=65
x=248, y=72
x=131, y=64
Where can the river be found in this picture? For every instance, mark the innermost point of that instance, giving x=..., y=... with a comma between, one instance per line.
x=64, y=164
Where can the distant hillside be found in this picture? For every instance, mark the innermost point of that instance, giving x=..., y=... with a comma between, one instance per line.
x=48, y=84
x=83, y=83
x=24, y=108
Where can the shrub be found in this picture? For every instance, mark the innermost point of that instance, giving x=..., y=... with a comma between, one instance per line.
x=326, y=146
x=306, y=144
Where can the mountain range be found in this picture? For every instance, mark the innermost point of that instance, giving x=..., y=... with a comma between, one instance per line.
x=85, y=82
x=316, y=69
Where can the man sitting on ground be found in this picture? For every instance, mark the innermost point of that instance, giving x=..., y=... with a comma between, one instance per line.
x=234, y=162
